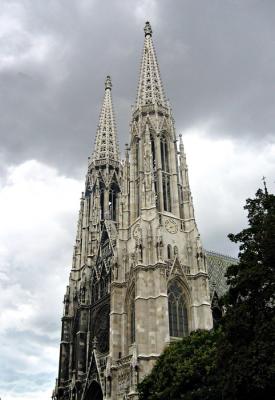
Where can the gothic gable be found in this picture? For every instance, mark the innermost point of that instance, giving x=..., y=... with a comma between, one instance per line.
x=92, y=377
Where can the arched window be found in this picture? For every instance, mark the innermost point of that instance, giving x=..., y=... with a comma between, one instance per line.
x=137, y=195
x=140, y=253
x=169, y=251
x=166, y=189
x=164, y=154
x=153, y=151
x=132, y=318
x=102, y=287
x=101, y=203
x=95, y=291
x=176, y=251
x=178, y=318
x=216, y=310
x=112, y=204
x=137, y=157
x=113, y=194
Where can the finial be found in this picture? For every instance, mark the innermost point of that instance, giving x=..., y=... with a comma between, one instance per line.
x=108, y=83
x=147, y=29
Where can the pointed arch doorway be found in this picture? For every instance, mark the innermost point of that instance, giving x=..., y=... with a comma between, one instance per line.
x=94, y=392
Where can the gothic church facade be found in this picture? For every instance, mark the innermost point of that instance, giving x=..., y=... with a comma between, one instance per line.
x=139, y=276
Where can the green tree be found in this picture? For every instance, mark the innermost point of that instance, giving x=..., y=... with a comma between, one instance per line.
x=246, y=348
x=185, y=370
x=237, y=360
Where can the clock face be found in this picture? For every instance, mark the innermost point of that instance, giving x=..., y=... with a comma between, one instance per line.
x=171, y=226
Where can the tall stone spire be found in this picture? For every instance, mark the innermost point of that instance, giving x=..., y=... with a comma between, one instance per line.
x=150, y=89
x=106, y=143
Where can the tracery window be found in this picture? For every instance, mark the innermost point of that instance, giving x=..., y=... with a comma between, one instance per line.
x=137, y=178
x=132, y=318
x=153, y=151
x=112, y=204
x=169, y=251
x=178, y=317
x=95, y=290
x=166, y=176
x=113, y=194
x=137, y=158
x=101, y=203
x=164, y=154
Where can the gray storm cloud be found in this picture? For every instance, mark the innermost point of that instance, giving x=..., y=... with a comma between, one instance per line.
x=217, y=64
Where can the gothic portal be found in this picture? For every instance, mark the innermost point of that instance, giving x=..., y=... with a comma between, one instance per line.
x=139, y=278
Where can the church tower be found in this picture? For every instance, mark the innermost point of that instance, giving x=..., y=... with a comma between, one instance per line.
x=139, y=277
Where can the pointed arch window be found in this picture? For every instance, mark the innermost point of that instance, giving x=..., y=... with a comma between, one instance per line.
x=103, y=282
x=178, y=316
x=216, y=309
x=132, y=318
x=113, y=194
x=169, y=251
x=137, y=157
x=166, y=189
x=95, y=289
x=166, y=186
x=153, y=151
x=137, y=195
x=112, y=204
x=101, y=203
x=164, y=153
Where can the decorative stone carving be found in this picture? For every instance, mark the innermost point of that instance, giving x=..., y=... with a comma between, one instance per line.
x=137, y=232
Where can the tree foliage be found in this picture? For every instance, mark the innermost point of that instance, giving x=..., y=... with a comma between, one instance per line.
x=185, y=370
x=237, y=360
x=246, y=348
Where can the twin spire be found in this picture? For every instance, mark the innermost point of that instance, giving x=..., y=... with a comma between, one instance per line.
x=106, y=144
x=150, y=92
x=150, y=89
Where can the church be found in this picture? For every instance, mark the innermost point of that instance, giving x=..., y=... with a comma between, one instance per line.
x=140, y=277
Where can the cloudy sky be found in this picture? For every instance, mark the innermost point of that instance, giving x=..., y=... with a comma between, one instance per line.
x=217, y=61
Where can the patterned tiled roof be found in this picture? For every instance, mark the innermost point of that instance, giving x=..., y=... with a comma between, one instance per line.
x=217, y=265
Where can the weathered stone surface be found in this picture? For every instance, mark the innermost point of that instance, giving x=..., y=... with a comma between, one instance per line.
x=139, y=276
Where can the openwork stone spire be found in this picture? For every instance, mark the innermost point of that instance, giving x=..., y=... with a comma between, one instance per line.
x=106, y=144
x=150, y=89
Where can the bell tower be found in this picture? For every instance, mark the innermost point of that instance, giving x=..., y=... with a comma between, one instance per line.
x=167, y=270
x=139, y=279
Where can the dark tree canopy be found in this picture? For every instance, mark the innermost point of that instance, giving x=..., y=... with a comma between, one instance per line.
x=185, y=370
x=246, y=348
x=236, y=361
